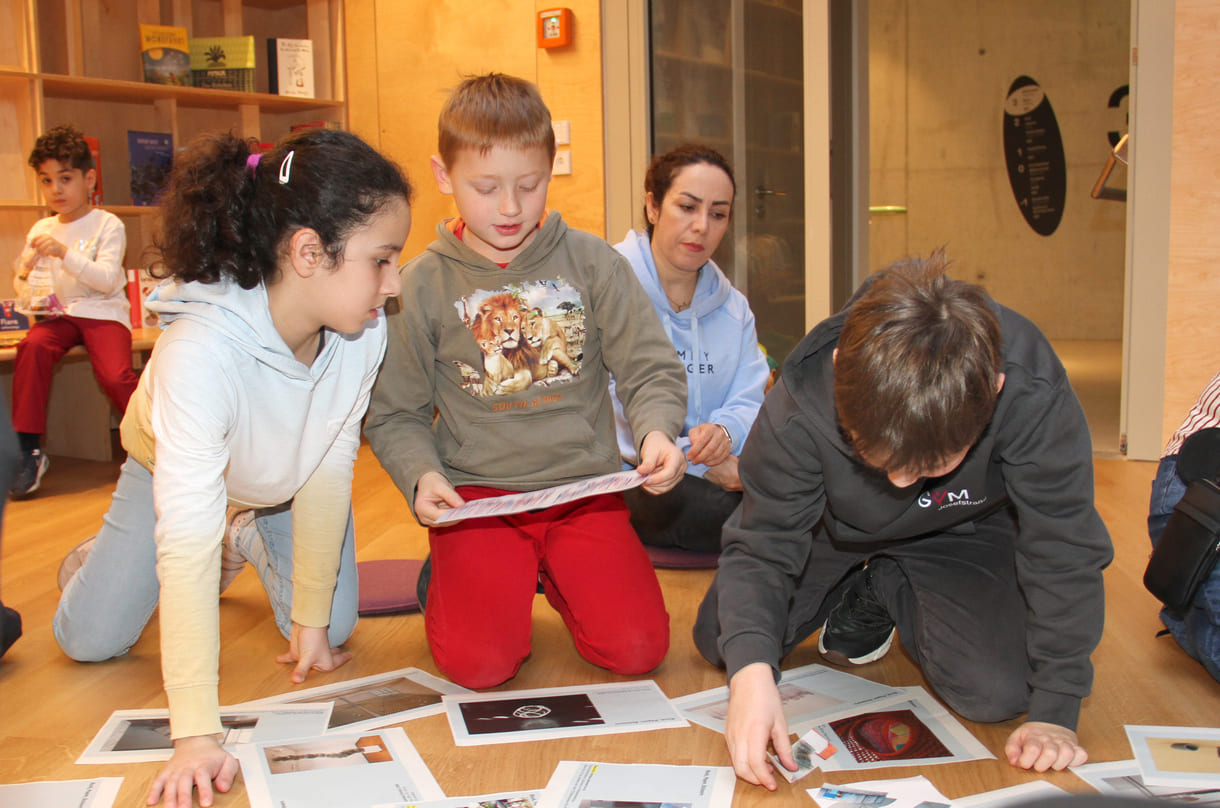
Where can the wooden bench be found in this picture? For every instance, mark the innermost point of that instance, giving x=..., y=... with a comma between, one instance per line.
x=79, y=415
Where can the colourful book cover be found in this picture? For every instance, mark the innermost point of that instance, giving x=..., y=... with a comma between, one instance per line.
x=95, y=149
x=165, y=54
x=223, y=62
x=139, y=284
x=11, y=319
x=151, y=155
x=301, y=127
x=290, y=67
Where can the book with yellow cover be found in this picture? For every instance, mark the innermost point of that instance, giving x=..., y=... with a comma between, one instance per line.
x=223, y=62
x=165, y=54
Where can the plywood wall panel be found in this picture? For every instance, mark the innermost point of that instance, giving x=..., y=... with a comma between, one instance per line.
x=423, y=50
x=1193, y=339
x=360, y=50
x=404, y=57
x=570, y=81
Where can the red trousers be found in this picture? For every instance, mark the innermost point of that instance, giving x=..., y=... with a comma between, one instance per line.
x=109, y=345
x=594, y=571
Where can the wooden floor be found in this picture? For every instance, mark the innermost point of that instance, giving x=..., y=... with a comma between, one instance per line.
x=50, y=707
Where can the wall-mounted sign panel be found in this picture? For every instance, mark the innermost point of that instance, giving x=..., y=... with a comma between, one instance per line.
x=1033, y=151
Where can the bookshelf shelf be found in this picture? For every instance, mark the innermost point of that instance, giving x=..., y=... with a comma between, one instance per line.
x=80, y=63
x=91, y=89
x=131, y=210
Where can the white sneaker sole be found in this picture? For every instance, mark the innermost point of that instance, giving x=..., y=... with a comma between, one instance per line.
x=44, y=463
x=844, y=661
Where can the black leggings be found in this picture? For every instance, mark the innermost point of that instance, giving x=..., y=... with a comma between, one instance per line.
x=689, y=515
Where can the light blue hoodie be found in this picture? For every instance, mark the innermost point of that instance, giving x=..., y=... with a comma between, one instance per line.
x=726, y=372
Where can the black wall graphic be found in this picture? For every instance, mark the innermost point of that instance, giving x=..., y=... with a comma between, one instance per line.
x=1033, y=151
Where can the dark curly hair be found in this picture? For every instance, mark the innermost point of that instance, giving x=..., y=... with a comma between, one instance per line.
x=665, y=167
x=65, y=144
x=221, y=218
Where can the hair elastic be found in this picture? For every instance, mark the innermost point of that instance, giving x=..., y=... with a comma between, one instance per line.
x=286, y=168
x=252, y=164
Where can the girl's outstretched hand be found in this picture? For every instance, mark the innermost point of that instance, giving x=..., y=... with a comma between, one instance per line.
x=198, y=762
x=310, y=649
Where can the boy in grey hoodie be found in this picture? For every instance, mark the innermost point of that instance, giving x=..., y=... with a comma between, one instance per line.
x=496, y=380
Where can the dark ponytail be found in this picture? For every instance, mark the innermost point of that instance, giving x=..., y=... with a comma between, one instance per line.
x=227, y=214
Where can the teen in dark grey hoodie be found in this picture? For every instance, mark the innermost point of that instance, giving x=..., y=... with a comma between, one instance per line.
x=970, y=528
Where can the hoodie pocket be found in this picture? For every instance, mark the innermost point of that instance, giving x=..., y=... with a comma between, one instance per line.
x=525, y=447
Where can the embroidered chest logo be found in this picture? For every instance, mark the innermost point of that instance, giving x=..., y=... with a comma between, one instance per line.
x=948, y=499
x=530, y=334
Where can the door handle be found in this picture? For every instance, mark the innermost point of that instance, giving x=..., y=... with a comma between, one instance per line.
x=886, y=210
x=760, y=195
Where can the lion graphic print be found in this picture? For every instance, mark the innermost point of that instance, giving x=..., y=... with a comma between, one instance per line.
x=530, y=334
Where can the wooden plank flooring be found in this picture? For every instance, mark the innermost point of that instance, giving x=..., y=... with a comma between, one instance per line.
x=50, y=707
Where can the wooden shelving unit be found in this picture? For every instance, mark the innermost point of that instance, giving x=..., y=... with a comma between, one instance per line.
x=63, y=63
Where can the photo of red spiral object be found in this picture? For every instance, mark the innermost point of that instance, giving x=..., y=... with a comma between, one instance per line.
x=892, y=735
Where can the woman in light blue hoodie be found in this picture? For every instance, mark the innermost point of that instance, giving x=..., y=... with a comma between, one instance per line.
x=689, y=197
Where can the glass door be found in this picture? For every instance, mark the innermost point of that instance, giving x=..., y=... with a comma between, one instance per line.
x=728, y=74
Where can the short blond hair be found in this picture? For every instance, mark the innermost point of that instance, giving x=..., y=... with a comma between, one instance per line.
x=494, y=110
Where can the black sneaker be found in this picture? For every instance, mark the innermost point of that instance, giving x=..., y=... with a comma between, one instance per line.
x=10, y=627
x=859, y=629
x=34, y=464
x=421, y=583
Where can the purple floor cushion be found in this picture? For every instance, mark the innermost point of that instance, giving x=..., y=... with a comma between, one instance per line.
x=674, y=558
x=387, y=586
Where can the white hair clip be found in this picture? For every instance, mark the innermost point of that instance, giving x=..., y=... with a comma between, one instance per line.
x=286, y=168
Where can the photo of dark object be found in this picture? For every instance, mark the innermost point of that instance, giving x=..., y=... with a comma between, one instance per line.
x=529, y=713
x=891, y=735
x=1185, y=755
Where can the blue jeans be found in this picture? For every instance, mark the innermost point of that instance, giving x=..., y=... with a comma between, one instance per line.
x=104, y=608
x=1198, y=629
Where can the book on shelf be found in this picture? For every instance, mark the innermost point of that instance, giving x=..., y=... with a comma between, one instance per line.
x=301, y=127
x=11, y=319
x=139, y=284
x=223, y=62
x=95, y=149
x=151, y=155
x=165, y=54
x=290, y=67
